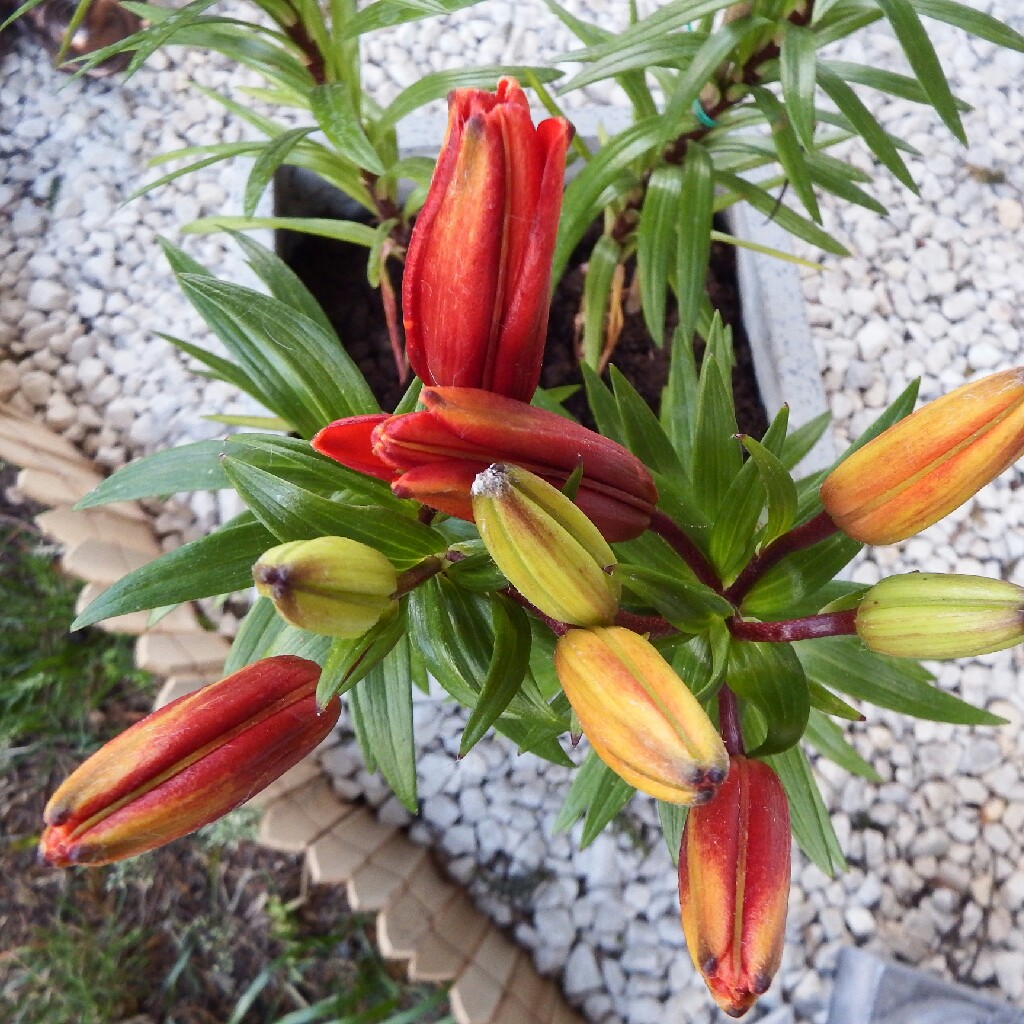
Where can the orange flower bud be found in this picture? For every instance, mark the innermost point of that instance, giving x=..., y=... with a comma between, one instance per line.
x=187, y=764
x=930, y=463
x=476, y=288
x=640, y=717
x=734, y=884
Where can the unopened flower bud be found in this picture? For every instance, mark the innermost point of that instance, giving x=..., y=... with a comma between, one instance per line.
x=734, y=884
x=940, y=615
x=930, y=463
x=188, y=763
x=546, y=547
x=330, y=585
x=640, y=717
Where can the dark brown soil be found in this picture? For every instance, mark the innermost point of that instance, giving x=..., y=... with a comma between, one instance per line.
x=335, y=272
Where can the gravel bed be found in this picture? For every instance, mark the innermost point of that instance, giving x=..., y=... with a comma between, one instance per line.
x=935, y=289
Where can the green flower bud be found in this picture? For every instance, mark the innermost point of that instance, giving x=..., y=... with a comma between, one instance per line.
x=546, y=547
x=936, y=615
x=331, y=585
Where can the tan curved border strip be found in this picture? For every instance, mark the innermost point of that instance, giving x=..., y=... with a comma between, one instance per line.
x=422, y=917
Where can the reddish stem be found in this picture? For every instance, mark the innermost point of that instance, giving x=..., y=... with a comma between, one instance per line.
x=729, y=722
x=653, y=625
x=810, y=628
x=803, y=536
x=686, y=549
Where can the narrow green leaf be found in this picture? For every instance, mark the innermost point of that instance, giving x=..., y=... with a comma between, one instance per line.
x=765, y=250
x=438, y=84
x=222, y=153
x=597, y=290
x=827, y=738
x=779, y=487
x=271, y=156
x=596, y=793
x=389, y=13
x=216, y=564
x=717, y=457
x=798, y=71
x=675, y=50
x=787, y=146
x=305, y=377
x=803, y=439
x=673, y=821
x=510, y=659
x=679, y=401
x=690, y=606
x=843, y=663
x=293, y=513
x=283, y=282
x=770, y=677
x=301, y=643
x=695, y=213
x=695, y=665
x=864, y=123
x=787, y=218
x=333, y=108
x=656, y=244
x=326, y=227
x=603, y=405
x=255, y=635
x=644, y=434
x=811, y=823
x=977, y=23
x=350, y=661
x=220, y=369
x=905, y=87
x=605, y=176
x=190, y=467
x=828, y=703
x=900, y=409
x=924, y=61
x=381, y=707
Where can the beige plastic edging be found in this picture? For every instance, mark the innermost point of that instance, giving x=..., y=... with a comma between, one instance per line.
x=422, y=917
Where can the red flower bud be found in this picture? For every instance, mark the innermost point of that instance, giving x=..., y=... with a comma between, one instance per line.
x=436, y=455
x=734, y=884
x=476, y=288
x=187, y=764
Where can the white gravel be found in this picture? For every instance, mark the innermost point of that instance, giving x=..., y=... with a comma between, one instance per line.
x=936, y=289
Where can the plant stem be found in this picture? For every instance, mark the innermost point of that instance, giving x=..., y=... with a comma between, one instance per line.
x=810, y=628
x=419, y=573
x=729, y=722
x=686, y=549
x=803, y=536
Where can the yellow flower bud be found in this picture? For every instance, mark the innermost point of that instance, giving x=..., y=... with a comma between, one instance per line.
x=930, y=463
x=939, y=615
x=640, y=717
x=331, y=585
x=546, y=547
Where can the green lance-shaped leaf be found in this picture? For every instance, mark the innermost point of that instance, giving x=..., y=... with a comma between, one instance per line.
x=825, y=701
x=283, y=282
x=827, y=738
x=780, y=488
x=335, y=113
x=844, y=664
x=216, y=564
x=603, y=405
x=381, y=707
x=906, y=87
x=349, y=661
x=977, y=23
x=656, y=244
x=324, y=227
x=788, y=148
x=190, y=467
x=864, y=123
x=668, y=51
x=673, y=820
x=255, y=636
x=273, y=154
x=597, y=292
x=695, y=663
x=810, y=820
x=690, y=606
x=696, y=209
x=389, y=13
x=510, y=659
x=644, y=434
x=290, y=513
x=596, y=793
x=771, y=678
x=800, y=442
x=716, y=456
x=798, y=70
x=924, y=61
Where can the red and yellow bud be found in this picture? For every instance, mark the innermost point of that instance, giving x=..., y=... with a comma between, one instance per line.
x=639, y=716
x=930, y=463
x=476, y=288
x=434, y=456
x=187, y=764
x=941, y=615
x=734, y=884
x=546, y=547
x=333, y=586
